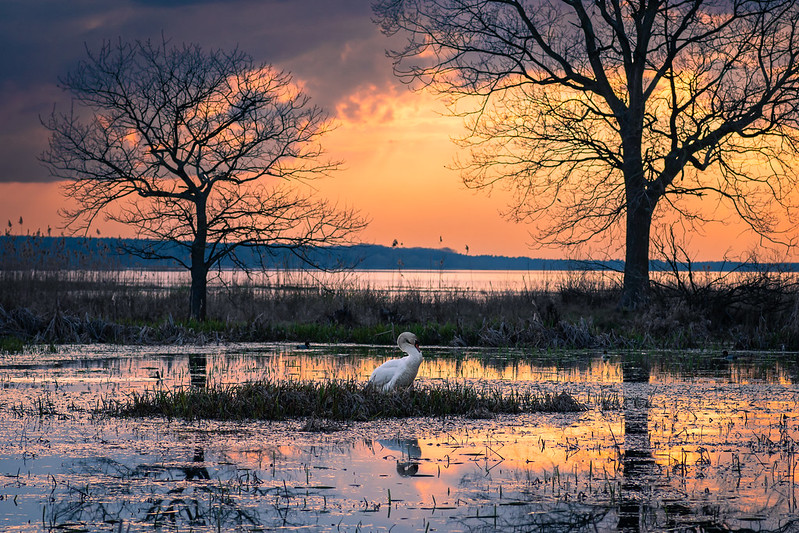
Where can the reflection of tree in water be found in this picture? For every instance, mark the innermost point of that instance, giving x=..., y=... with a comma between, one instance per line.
x=644, y=504
x=198, y=363
x=639, y=469
x=199, y=471
x=186, y=495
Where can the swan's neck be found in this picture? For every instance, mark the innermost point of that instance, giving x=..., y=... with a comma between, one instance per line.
x=412, y=351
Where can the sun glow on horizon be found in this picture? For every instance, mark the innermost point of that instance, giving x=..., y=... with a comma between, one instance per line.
x=397, y=150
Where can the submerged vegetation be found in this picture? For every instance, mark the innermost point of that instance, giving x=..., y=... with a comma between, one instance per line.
x=337, y=400
x=671, y=441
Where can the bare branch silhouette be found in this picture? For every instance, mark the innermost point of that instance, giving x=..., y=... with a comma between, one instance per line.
x=602, y=116
x=204, y=150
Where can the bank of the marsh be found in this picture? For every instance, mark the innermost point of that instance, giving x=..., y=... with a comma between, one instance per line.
x=757, y=311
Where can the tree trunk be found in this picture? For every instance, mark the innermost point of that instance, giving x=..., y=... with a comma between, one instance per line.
x=199, y=269
x=636, y=264
x=198, y=289
x=640, y=206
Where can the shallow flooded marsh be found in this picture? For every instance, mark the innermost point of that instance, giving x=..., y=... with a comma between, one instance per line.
x=679, y=441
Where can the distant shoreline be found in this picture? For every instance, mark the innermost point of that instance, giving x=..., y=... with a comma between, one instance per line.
x=103, y=253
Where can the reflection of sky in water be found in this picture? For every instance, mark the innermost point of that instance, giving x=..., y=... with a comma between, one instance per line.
x=702, y=440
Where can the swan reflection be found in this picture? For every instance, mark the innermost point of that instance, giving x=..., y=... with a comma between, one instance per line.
x=409, y=454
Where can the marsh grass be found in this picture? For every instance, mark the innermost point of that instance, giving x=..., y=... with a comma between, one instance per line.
x=336, y=400
x=11, y=345
x=757, y=310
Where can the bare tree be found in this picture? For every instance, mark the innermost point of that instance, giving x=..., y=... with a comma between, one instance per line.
x=201, y=151
x=602, y=116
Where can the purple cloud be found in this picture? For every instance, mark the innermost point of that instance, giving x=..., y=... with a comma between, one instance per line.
x=332, y=47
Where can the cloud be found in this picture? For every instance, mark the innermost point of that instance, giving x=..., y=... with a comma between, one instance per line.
x=332, y=48
x=367, y=105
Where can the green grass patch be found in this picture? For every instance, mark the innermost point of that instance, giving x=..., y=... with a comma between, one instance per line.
x=337, y=400
x=11, y=345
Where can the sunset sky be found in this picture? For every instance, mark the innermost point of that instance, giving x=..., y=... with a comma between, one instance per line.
x=395, y=144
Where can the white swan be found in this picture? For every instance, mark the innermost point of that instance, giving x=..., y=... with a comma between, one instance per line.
x=399, y=373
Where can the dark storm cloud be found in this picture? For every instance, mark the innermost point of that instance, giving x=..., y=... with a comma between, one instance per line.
x=330, y=45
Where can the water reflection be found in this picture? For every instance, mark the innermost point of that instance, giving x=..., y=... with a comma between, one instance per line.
x=638, y=464
x=198, y=367
x=409, y=454
x=132, y=498
x=197, y=469
x=142, y=366
x=693, y=442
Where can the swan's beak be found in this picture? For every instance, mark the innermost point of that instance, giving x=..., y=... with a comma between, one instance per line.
x=416, y=344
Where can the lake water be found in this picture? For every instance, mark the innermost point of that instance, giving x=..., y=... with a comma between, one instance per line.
x=398, y=280
x=392, y=280
x=677, y=441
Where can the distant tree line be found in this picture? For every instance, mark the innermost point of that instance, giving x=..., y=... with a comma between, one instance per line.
x=56, y=253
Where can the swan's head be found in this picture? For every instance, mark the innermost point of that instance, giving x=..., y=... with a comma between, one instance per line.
x=407, y=339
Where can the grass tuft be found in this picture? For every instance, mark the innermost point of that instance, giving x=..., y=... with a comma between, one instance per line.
x=11, y=345
x=336, y=400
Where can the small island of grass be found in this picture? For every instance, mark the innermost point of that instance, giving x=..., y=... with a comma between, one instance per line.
x=342, y=400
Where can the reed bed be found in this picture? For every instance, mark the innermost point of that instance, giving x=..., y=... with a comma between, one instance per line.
x=760, y=311
x=337, y=400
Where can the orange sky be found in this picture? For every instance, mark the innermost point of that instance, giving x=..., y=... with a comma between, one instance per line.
x=395, y=144
x=395, y=150
x=396, y=147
